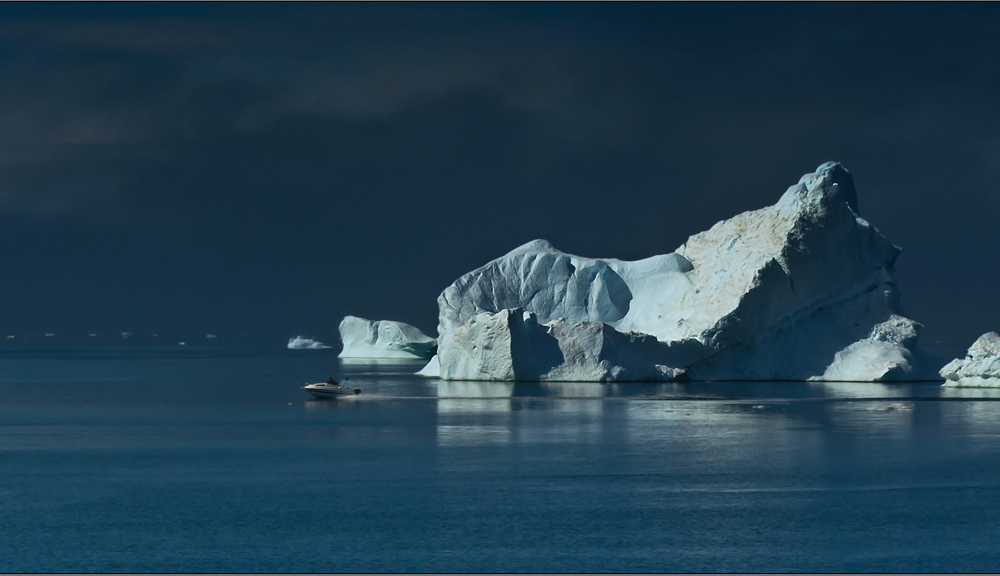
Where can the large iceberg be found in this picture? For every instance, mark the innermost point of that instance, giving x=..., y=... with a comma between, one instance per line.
x=364, y=338
x=801, y=290
x=981, y=366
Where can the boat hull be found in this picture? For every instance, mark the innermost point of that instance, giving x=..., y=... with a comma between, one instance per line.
x=325, y=391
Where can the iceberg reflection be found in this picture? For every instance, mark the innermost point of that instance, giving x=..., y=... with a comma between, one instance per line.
x=862, y=389
x=378, y=362
x=475, y=412
x=481, y=397
x=477, y=396
x=809, y=415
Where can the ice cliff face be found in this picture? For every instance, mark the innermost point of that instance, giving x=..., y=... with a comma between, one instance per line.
x=383, y=339
x=512, y=345
x=799, y=290
x=979, y=368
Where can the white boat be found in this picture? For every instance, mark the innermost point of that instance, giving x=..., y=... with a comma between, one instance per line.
x=328, y=390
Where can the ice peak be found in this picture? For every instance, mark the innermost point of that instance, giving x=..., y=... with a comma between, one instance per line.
x=534, y=246
x=830, y=182
x=986, y=346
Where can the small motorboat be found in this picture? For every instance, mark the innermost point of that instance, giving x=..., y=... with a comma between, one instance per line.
x=330, y=390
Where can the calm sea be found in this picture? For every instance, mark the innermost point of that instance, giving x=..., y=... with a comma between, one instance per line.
x=206, y=460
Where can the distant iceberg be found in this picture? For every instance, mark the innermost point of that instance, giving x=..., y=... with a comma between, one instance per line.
x=364, y=338
x=801, y=290
x=980, y=368
x=302, y=343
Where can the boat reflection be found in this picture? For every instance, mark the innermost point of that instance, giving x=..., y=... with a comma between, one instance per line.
x=345, y=403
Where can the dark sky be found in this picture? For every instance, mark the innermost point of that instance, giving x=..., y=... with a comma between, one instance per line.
x=259, y=171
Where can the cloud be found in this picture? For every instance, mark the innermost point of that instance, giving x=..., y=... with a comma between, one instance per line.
x=78, y=93
x=171, y=152
x=120, y=80
x=144, y=35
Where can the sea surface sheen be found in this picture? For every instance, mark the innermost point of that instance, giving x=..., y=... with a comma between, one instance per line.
x=209, y=460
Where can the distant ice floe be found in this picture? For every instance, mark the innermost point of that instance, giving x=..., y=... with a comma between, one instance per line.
x=365, y=338
x=980, y=368
x=303, y=343
x=126, y=335
x=211, y=336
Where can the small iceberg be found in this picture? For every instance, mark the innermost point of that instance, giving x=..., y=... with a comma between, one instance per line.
x=303, y=343
x=365, y=338
x=980, y=368
x=432, y=369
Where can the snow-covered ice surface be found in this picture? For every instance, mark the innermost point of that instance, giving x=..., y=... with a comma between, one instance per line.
x=801, y=290
x=303, y=343
x=980, y=368
x=364, y=338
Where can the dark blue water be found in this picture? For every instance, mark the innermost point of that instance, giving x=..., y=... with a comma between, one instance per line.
x=136, y=460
